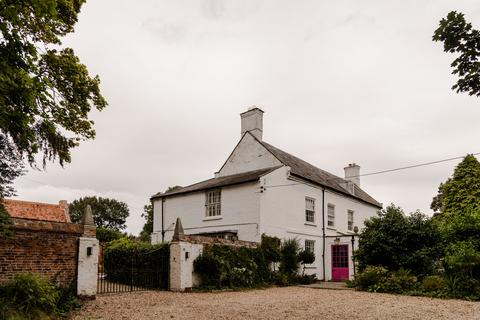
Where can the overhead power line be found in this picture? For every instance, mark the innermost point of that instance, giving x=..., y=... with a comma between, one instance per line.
x=384, y=171
x=412, y=166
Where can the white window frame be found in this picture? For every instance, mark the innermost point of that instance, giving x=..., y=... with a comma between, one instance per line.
x=331, y=217
x=213, y=203
x=350, y=219
x=310, y=245
x=309, y=212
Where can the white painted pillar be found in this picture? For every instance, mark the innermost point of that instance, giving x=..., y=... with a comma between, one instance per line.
x=88, y=249
x=182, y=255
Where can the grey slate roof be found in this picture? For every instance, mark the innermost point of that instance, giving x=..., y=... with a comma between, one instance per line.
x=298, y=167
x=219, y=182
x=305, y=170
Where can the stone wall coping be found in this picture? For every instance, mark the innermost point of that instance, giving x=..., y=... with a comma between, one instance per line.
x=205, y=240
x=49, y=226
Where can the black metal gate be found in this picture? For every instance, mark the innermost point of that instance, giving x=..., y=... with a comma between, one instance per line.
x=136, y=272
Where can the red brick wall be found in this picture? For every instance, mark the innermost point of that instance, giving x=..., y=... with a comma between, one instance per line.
x=47, y=248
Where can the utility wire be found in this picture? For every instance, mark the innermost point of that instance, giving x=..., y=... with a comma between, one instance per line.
x=383, y=171
x=412, y=166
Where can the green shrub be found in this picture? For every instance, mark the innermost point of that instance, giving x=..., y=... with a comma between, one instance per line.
x=210, y=269
x=395, y=240
x=306, y=257
x=106, y=235
x=281, y=279
x=401, y=281
x=370, y=276
x=305, y=279
x=433, y=283
x=270, y=247
x=30, y=294
x=122, y=256
x=289, y=257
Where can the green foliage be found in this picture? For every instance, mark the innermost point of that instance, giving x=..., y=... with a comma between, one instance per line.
x=400, y=281
x=30, y=295
x=434, y=283
x=306, y=257
x=289, y=257
x=461, y=192
x=6, y=227
x=123, y=257
x=271, y=248
x=107, y=213
x=395, y=241
x=379, y=279
x=148, y=226
x=462, y=257
x=226, y=266
x=105, y=235
x=369, y=277
x=211, y=269
x=45, y=92
x=459, y=37
x=11, y=166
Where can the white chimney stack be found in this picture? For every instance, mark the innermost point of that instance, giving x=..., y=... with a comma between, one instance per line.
x=352, y=173
x=252, y=121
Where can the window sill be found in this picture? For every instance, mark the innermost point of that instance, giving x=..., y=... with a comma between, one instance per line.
x=310, y=224
x=306, y=268
x=332, y=228
x=212, y=218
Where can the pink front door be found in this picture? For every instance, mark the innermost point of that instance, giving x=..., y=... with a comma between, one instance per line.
x=340, y=262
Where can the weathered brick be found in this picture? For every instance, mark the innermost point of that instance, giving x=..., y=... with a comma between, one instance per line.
x=48, y=248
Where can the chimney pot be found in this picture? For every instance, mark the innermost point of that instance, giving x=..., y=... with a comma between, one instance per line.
x=352, y=173
x=252, y=121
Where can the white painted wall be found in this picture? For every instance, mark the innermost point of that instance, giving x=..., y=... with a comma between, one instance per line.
x=282, y=207
x=240, y=211
x=278, y=211
x=249, y=155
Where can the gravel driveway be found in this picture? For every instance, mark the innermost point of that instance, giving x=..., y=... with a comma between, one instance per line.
x=274, y=303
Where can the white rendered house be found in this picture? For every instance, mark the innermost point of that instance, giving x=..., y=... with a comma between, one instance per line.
x=262, y=189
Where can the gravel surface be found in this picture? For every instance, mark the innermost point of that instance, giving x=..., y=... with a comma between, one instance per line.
x=274, y=303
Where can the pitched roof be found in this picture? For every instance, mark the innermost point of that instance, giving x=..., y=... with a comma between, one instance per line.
x=307, y=171
x=219, y=182
x=37, y=211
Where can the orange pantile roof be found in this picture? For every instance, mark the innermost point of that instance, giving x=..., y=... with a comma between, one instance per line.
x=37, y=210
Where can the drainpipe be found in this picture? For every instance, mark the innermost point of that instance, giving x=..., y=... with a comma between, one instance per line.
x=323, y=231
x=163, y=228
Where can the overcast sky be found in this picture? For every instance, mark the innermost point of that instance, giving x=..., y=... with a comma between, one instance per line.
x=339, y=81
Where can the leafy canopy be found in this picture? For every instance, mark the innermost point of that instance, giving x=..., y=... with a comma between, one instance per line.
x=458, y=36
x=107, y=213
x=148, y=226
x=45, y=92
x=394, y=240
x=461, y=192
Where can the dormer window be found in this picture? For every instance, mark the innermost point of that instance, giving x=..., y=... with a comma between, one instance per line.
x=213, y=203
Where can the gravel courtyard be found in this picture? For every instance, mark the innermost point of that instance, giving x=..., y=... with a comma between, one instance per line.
x=274, y=303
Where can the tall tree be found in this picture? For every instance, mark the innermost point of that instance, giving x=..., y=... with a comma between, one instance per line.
x=458, y=200
x=458, y=36
x=45, y=92
x=148, y=226
x=107, y=213
x=11, y=167
x=461, y=191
